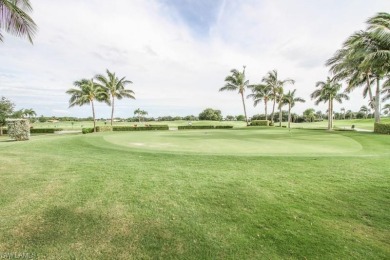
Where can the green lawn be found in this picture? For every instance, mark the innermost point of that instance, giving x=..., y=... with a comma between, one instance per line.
x=242, y=193
x=367, y=124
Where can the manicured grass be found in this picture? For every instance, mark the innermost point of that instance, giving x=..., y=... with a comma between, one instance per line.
x=96, y=196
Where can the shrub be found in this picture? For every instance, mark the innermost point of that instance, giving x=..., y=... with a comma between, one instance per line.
x=223, y=126
x=44, y=130
x=87, y=130
x=382, y=128
x=19, y=129
x=140, y=128
x=103, y=128
x=195, y=127
x=260, y=123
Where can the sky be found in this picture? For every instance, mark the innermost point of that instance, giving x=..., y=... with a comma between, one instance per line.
x=177, y=53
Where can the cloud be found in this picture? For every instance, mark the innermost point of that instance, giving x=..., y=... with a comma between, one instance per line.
x=177, y=53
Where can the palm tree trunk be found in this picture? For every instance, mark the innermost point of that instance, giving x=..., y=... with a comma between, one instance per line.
x=289, y=116
x=377, y=102
x=368, y=86
x=112, y=109
x=329, y=116
x=243, y=103
x=1, y=130
x=280, y=116
x=93, y=115
x=265, y=108
x=273, y=111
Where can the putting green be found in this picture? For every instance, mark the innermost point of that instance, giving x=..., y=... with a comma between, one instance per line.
x=238, y=142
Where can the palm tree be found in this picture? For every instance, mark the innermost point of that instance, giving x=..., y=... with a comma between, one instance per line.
x=327, y=92
x=290, y=99
x=86, y=92
x=364, y=59
x=237, y=82
x=281, y=102
x=143, y=114
x=364, y=109
x=115, y=87
x=15, y=20
x=276, y=85
x=29, y=112
x=260, y=93
x=140, y=113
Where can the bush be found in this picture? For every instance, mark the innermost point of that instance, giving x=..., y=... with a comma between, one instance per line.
x=381, y=128
x=195, y=127
x=140, y=128
x=19, y=129
x=260, y=123
x=87, y=130
x=44, y=130
x=103, y=128
x=223, y=126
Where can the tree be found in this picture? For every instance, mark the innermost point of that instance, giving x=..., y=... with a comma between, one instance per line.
x=343, y=112
x=140, y=113
x=276, y=85
x=115, y=87
x=6, y=110
x=386, y=109
x=327, y=92
x=290, y=100
x=237, y=82
x=29, y=113
x=210, y=114
x=86, y=92
x=309, y=114
x=260, y=92
x=364, y=59
x=15, y=20
x=364, y=109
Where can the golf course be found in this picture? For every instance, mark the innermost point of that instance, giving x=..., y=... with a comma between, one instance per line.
x=241, y=193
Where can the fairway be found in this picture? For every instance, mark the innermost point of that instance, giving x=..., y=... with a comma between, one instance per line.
x=217, y=194
x=263, y=142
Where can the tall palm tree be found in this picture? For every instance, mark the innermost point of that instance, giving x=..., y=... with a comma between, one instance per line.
x=15, y=20
x=364, y=59
x=115, y=87
x=237, y=82
x=281, y=102
x=86, y=92
x=290, y=99
x=276, y=85
x=327, y=92
x=260, y=92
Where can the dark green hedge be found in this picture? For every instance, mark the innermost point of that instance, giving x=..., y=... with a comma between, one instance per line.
x=5, y=131
x=44, y=130
x=104, y=128
x=260, y=123
x=223, y=126
x=140, y=128
x=87, y=130
x=382, y=128
x=195, y=127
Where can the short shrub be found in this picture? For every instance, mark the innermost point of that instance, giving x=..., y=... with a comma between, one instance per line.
x=5, y=131
x=260, y=123
x=382, y=128
x=140, y=128
x=183, y=127
x=223, y=126
x=105, y=128
x=87, y=130
x=44, y=130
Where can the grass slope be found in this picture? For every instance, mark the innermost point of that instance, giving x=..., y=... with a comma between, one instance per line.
x=85, y=197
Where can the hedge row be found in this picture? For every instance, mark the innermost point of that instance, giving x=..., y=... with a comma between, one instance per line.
x=44, y=130
x=103, y=128
x=382, y=128
x=140, y=128
x=203, y=127
x=260, y=123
